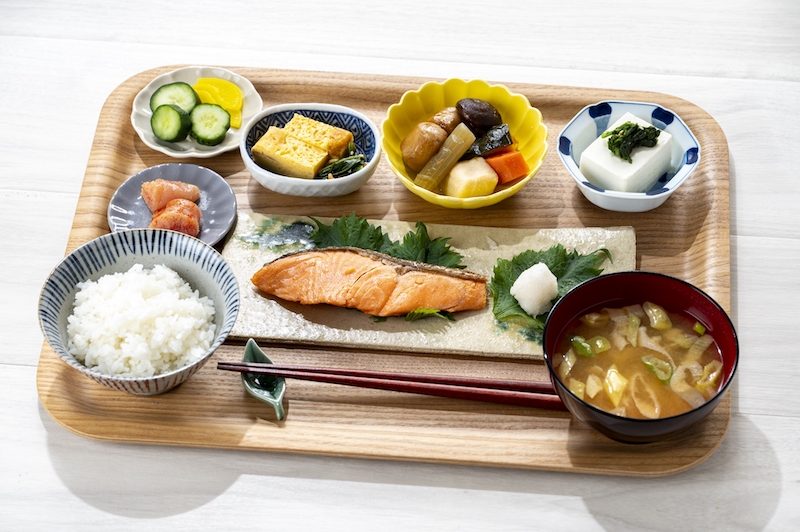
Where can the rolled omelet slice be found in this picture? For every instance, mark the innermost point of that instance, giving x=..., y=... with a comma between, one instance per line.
x=285, y=154
x=332, y=139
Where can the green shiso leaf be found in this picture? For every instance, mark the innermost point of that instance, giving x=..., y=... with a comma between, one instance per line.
x=570, y=269
x=355, y=231
x=350, y=231
x=628, y=136
x=418, y=246
x=420, y=313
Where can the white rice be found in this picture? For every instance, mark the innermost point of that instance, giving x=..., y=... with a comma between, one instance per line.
x=140, y=323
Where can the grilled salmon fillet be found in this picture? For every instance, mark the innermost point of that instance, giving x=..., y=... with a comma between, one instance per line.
x=372, y=282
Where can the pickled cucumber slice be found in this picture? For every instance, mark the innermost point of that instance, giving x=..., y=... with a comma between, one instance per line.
x=210, y=124
x=177, y=93
x=170, y=123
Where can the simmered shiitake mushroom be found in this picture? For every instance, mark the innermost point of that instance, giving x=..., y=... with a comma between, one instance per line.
x=479, y=115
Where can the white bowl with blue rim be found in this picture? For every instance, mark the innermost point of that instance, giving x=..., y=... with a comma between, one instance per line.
x=366, y=137
x=197, y=263
x=594, y=119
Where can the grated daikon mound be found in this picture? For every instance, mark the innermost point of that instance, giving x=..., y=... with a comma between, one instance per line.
x=140, y=323
x=535, y=289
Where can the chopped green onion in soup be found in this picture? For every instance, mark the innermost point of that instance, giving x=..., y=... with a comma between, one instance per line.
x=640, y=361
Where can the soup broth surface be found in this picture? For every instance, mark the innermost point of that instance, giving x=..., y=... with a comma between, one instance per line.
x=640, y=361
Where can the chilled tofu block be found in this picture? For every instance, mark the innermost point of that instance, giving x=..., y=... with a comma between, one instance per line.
x=608, y=171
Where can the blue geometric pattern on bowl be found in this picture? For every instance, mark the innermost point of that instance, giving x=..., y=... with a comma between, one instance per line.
x=594, y=119
x=206, y=272
x=363, y=138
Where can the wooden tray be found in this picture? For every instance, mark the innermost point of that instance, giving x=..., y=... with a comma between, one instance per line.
x=688, y=237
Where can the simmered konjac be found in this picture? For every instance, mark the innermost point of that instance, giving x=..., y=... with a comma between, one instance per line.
x=640, y=361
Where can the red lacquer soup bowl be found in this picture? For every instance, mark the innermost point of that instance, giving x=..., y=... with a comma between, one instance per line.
x=617, y=290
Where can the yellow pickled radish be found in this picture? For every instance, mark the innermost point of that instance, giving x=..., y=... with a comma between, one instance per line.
x=204, y=94
x=224, y=93
x=228, y=92
x=236, y=118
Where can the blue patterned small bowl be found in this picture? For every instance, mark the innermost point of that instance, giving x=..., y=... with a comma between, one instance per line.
x=594, y=119
x=366, y=137
x=197, y=263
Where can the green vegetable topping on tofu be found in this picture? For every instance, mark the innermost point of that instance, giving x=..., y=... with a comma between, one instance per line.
x=629, y=136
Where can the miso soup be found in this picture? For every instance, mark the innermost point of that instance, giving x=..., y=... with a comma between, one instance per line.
x=639, y=361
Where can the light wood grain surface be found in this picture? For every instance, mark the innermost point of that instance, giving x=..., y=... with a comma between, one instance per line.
x=213, y=410
x=739, y=61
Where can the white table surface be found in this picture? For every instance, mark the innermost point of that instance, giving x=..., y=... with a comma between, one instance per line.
x=738, y=59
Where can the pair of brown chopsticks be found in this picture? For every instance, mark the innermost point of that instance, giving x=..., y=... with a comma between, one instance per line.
x=512, y=392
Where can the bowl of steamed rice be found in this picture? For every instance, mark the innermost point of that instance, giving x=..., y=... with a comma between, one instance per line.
x=141, y=310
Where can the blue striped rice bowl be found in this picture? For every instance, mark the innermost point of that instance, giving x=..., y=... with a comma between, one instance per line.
x=194, y=261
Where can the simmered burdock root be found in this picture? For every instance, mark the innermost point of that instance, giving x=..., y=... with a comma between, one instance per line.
x=371, y=282
x=178, y=215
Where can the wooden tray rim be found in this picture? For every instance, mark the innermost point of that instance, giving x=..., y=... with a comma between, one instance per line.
x=77, y=237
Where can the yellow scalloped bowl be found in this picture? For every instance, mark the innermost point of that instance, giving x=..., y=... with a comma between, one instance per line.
x=524, y=122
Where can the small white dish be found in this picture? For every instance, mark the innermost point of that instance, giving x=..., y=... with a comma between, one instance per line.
x=594, y=119
x=366, y=137
x=127, y=209
x=141, y=113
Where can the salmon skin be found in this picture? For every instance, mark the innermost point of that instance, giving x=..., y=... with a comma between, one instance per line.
x=157, y=193
x=372, y=282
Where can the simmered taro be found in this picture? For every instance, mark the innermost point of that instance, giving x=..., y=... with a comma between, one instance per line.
x=640, y=361
x=448, y=118
x=422, y=144
x=479, y=115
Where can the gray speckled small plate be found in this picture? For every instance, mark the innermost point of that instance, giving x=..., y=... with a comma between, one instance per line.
x=127, y=209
